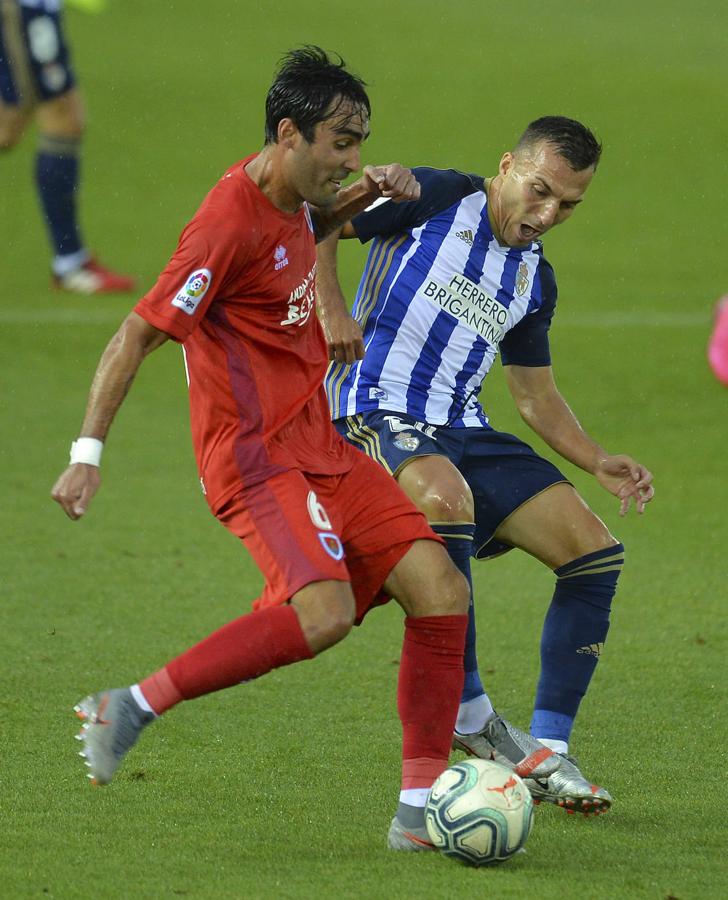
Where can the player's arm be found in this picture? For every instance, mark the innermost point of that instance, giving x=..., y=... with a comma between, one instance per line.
x=126, y=351
x=343, y=335
x=393, y=182
x=545, y=411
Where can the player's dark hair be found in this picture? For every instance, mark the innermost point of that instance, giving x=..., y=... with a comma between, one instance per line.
x=572, y=140
x=309, y=87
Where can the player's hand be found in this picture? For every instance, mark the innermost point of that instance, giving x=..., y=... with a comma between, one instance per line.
x=393, y=181
x=75, y=488
x=343, y=335
x=627, y=479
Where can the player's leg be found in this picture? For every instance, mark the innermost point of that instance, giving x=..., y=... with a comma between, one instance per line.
x=318, y=616
x=435, y=598
x=438, y=490
x=275, y=522
x=392, y=552
x=421, y=459
x=558, y=528
x=39, y=67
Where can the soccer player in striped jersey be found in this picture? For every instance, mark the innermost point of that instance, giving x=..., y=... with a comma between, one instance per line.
x=451, y=280
x=37, y=82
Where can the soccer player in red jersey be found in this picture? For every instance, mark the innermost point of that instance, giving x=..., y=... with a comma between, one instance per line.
x=332, y=533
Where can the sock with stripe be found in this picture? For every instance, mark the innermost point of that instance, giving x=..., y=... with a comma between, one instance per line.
x=57, y=173
x=572, y=639
x=239, y=651
x=475, y=705
x=430, y=682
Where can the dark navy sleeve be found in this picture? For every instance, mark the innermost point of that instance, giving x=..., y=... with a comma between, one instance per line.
x=439, y=189
x=527, y=343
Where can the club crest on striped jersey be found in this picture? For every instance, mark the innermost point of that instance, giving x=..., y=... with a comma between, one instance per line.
x=189, y=296
x=522, y=279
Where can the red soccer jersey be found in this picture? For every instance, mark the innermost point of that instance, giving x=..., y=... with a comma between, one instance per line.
x=239, y=295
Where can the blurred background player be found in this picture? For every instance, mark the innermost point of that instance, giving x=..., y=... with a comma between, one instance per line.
x=718, y=344
x=330, y=530
x=37, y=83
x=450, y=280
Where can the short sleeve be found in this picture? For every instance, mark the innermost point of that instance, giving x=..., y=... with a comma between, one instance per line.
x=439, y=189
x=209, y=252
x=527, y=343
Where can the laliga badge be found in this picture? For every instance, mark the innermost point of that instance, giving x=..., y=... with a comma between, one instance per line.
x=195, y=288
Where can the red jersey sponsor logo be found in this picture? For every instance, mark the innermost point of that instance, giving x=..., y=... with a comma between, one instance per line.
x=301, y=301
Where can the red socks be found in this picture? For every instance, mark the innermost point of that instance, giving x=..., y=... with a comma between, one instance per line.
x=239, y=651
x=430, y=683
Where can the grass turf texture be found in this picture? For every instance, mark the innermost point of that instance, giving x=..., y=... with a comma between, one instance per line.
x=284, y=787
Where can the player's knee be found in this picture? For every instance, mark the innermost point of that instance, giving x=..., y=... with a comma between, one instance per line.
x=326, y=612
x=439, y=490
x=63, y=117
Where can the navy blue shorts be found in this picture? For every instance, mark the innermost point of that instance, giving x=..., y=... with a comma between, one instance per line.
x=502, y=472
x=35, y=63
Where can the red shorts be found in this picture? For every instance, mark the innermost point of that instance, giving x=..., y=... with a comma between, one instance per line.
x=301, y=528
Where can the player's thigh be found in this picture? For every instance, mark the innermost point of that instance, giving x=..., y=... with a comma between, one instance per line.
x=503, y=474
x=418, y=455
x=425, y=582
x=437, y=488
x=35, y=62
x=62, y=116
x=556, y=526
x=380, y=524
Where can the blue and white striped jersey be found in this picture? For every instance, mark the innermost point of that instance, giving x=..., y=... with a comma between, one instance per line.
x=439, y=297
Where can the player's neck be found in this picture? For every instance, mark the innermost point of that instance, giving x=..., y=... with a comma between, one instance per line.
x=492, y=193
x=265, y=171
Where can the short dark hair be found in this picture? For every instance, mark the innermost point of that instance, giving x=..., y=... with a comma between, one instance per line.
x=572, y=140
x=309, y=87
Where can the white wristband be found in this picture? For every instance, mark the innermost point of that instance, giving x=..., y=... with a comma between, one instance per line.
x=87, y=450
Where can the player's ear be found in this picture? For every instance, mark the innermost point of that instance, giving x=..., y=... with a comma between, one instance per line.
x=506, y=163
x=288, y=133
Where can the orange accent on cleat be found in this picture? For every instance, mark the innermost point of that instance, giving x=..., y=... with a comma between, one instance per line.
x=527, y=766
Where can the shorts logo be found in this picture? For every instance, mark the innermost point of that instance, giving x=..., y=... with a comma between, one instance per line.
x=195, y=288
x=522, y=279
x=329, y=541
x=376, y=393
x=280, y=258
x=407, y=442
x=332, y=545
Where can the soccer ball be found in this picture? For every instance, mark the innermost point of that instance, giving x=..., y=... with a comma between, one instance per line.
x=479, y=812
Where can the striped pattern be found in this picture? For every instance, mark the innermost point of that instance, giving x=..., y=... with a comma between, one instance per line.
x=426, y=307
x=609, y=560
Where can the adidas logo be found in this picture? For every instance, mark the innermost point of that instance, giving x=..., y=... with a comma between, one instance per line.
x=592, y=649
x=466, y=236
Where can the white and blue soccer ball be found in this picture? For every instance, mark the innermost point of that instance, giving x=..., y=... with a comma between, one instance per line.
x=479, y=812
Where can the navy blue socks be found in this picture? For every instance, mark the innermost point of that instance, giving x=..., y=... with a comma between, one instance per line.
x=573, y=637
x=57, y=181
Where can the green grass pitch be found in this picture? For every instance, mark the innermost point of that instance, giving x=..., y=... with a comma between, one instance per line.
x=284, y=788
